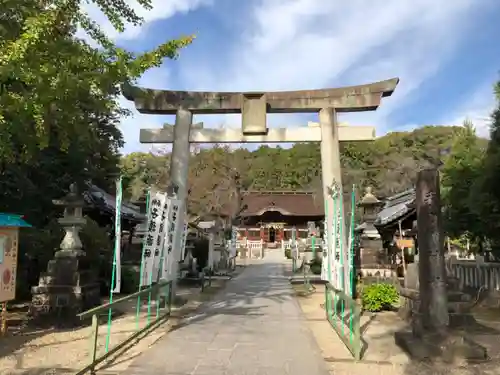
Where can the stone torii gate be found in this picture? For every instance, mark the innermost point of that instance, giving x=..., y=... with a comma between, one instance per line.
x=254, y=107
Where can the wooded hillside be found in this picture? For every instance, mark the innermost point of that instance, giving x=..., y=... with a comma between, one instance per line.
x=389, y=163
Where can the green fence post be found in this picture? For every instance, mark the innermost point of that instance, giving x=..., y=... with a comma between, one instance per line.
x=141, y=271
x=93, y=342
x=118, y=201
x=334, y=252
x=351, y=257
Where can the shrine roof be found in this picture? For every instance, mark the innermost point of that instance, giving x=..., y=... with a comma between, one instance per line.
x=396, y=207
x=13, y=221
x=290, y=203
x=104, y=201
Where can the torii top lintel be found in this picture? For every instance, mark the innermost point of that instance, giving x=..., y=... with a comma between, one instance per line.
x=365, y=97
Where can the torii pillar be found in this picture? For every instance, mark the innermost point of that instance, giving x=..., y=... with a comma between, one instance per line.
x=254, y=107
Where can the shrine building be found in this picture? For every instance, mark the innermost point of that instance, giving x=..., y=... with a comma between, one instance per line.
x=271, y=215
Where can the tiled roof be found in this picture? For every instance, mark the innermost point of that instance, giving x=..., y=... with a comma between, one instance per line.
x=287, y=203
x=396, y=207
x=97, y=197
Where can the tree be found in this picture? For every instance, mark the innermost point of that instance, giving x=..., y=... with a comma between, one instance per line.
x=58, y=99
x=142, y=170
x=459, y=173
x=389, y=164
x=46, y=72
x=215, y=184
x=485, y=195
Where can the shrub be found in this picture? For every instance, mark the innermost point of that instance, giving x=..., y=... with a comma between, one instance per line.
x=130, y=279
x=288, y=253
x=379, y=297
x=200, y=252
x=316, y=266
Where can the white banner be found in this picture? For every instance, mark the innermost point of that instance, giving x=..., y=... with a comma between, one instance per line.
x=234, y=238
x=118, y=236
x=171, y=255
x=152, y=239
x=325, y=274
x=184, y=237
x=161, y=252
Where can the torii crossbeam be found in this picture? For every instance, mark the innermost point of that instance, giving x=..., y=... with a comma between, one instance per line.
x=254, y=107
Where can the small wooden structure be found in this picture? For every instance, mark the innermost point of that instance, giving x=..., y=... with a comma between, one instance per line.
x=396, y=225
x=9, y=242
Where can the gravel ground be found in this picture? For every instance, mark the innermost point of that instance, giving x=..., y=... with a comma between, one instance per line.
x=48, y=352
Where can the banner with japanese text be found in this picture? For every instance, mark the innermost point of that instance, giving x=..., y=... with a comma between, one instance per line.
x=153, y=237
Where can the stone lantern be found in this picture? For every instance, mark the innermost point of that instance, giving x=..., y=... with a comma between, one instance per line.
x=370, y=256
x=70, y=284
x=371, y=207
x=72, y=222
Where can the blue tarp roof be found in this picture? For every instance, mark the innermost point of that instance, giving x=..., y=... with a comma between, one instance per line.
x=11, y=220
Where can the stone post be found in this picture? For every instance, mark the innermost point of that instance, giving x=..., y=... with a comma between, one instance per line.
x=432, y=270
x=332, y=176
x=432, y=338
x=179, y=167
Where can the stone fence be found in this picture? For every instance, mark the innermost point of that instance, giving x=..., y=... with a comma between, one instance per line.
x=476, y=273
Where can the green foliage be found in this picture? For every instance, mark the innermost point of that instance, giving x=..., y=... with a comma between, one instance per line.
x=200, y=252
x=288, y=253
x=316, y=266
x=485, y=195
x=130, y=279
x=379, y=297
x=389, y=164
x=59, y=108
x=96, y=241
x=50, y=78
x=459, y=173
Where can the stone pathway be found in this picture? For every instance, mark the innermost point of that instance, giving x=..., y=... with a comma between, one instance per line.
x=253, y=327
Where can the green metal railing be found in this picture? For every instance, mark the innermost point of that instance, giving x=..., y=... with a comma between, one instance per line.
x=344, y=316
x=160, y=291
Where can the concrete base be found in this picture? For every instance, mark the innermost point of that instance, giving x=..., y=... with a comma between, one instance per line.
x=451, y=347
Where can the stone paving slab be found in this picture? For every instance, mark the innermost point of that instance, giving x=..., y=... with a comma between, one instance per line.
x=252, y=327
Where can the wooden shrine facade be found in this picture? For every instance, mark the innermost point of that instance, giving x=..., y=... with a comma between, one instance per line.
x=271, y=215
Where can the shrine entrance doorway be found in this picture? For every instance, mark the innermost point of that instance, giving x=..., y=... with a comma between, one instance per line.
x=272, y=235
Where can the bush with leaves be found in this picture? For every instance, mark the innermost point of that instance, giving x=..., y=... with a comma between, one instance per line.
x=379, y=297
x=316, y=266
x=200, y=252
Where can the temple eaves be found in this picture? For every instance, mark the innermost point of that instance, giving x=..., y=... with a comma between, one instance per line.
x=344, y=99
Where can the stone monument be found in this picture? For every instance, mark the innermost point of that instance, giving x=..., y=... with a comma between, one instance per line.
x=70, y=284
x=371, y=259
x=432, y=336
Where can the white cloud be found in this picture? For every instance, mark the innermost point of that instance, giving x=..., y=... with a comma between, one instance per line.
x=161, y=9
x=304, y=44
x=477, y=108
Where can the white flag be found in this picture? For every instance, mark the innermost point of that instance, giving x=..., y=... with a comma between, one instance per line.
x=152, y=239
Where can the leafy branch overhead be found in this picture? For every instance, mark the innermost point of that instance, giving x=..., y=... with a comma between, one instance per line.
x=48, y=74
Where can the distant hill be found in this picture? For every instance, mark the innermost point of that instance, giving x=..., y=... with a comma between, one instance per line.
x=389, y=164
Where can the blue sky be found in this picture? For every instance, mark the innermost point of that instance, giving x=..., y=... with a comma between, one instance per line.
x=445, y=53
